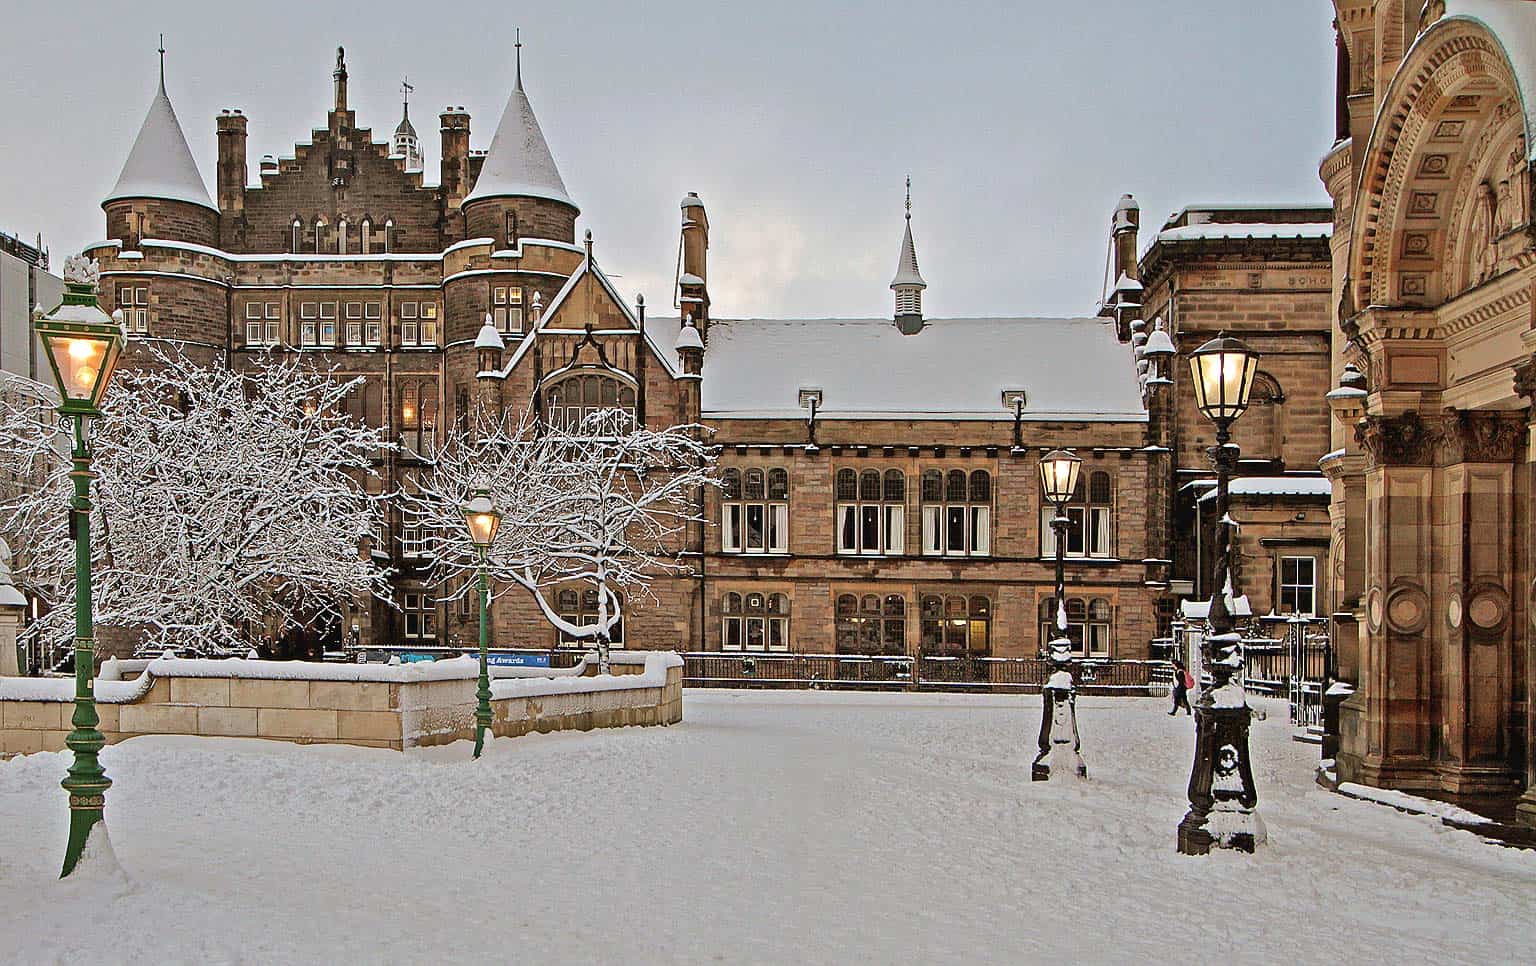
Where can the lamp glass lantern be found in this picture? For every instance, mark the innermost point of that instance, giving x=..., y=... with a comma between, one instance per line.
x=83, y=344
x=1058, y=475
x=1223, y=371
x=483, y=519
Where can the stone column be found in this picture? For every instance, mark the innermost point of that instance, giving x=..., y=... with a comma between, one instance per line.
x=1524, y=609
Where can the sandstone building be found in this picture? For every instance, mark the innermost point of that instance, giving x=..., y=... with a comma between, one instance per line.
x=881, y=489
x=1432, y=274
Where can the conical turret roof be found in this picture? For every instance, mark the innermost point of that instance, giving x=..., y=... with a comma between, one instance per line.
x=906, y=263
x=160, y=165
x=519, y=163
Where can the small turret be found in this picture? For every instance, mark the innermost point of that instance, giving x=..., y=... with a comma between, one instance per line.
x=489, y=346
x=908, y=283
x=405, y=144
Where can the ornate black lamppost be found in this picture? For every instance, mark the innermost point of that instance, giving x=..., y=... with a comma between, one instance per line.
x=483, y=520
x=82, y=344
x=1058, y=481
x=1222, y=795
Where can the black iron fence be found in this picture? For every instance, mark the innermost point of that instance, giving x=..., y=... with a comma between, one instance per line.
x=860, y=672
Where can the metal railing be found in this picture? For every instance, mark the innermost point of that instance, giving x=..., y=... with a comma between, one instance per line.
x=712, y=669
x=1294, y=665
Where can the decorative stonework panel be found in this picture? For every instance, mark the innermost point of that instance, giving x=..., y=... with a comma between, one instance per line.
x=1407, y=609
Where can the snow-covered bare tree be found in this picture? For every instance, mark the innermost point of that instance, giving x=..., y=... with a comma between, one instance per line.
x=225, y=502
x=604, y=503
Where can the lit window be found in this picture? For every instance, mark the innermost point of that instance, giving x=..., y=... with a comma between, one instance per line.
x=507, y=309
x=572, y=398
x=870, y=624
x=955, y=626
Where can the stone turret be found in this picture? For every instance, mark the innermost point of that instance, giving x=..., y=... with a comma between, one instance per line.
x=160, y=193
x=519, y=192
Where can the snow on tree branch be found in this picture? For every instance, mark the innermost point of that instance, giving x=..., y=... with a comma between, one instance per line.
x=605, y=504
x=226, y=503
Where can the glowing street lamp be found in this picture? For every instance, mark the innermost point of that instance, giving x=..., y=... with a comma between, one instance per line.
x=1221, y=779
x=82, y=344
x=1059, y=470
x=483, y=520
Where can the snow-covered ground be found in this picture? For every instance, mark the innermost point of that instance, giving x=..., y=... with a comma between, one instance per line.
x=769, y=827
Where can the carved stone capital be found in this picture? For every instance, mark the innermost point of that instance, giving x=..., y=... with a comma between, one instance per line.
x=1405, y=440
x=1473, y=436
x=1525, y=379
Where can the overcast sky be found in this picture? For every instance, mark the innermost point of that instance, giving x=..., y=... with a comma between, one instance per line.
x=1020, y=121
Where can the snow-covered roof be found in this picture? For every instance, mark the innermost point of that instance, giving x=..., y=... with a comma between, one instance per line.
x=1212, y=230
x=519, y=163
x=1513, y=25
x=1275, y=486
x=160, y=165
x=489, y=338
x=906, y=262
x=952, y=369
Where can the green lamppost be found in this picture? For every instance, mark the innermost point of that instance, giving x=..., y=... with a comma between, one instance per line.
x=1059, y=471
x=483, y=521
x=82, y=344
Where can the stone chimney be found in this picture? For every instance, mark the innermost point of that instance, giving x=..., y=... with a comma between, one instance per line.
x=232, y=173
x=692, y=283
x=1127, y=224
x=454, y=170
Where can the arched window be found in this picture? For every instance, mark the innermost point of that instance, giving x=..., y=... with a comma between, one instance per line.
x=319, y=235
x=1259, y=432
x=570, y=399
x=957, y=513
x=871, y=512
x=341, y=237
x=389, y=232
x=754, y=622
x=581, y=611
x=870, y=624
x=1090, y=518
x=1088, y=625
x=754, y=510
x=955, y=625
x=296, y=240
x=367, y=237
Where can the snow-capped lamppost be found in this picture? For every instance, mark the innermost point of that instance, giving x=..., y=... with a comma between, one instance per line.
x=483, y=520
x=1059, y=470
x=82, y=344
x=1222, y=795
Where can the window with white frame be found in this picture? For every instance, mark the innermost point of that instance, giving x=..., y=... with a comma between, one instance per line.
x=134, y=301
x=871, y=624
x=389, y=231
x=1298, y=586
x=341, y=237
x=354, y=314
x=1090, y=519
x=319, y=235
x=263, y=323
x=418, y=324
x=296, y=241
x=309, y=321
x=1088, y=625
x=957, y=513
x=507, y=308
x=871, y=512
x=754, y=622
x=373, y=315
x=580, y=610
x=367, y=237
x=754, y=510
x=955, y=625
x=420, y=613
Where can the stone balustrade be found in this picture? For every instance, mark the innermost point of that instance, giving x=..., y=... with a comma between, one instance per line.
x=380, y=706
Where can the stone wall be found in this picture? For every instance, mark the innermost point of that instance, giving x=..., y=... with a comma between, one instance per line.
x=399, y=706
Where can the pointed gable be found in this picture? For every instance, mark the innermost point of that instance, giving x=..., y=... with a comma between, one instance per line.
x=160, y=165
x=519, y=163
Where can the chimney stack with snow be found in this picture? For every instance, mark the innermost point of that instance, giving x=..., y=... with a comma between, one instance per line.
x=454, y=170
x=692, y=285
x=1127, y=223
x=232, y=173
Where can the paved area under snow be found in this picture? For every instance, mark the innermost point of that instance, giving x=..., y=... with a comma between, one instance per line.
x=769, y=827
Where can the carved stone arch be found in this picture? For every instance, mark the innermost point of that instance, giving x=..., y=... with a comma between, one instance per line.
x=1434, y=111
x=1490, y=200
